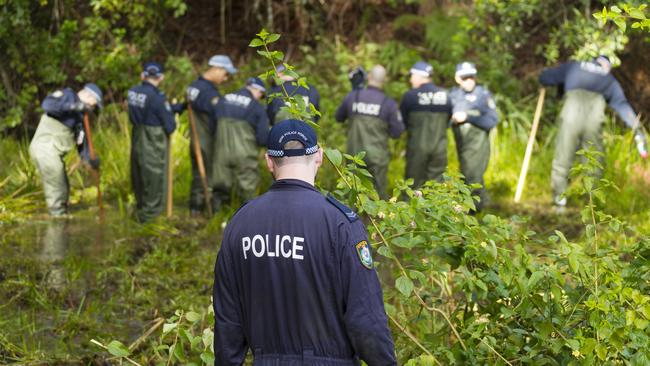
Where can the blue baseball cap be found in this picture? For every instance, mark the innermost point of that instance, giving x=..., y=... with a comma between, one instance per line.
x=152, y=69
x=422, y=68
x=96, y=92
x=291, y=130
x=256, y=83
x=465, y=69
x=224, y=62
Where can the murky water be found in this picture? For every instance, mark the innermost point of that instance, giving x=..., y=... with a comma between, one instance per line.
x=66, y=281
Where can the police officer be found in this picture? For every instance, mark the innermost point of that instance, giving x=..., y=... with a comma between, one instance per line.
x=243, y=125
x=588, y=85
x=203, y=96
x=276, y=108
x=426, y=110
x=153, y=122
x=473, y=116
x=373, y=117
x=298, y=288
x=55, y=137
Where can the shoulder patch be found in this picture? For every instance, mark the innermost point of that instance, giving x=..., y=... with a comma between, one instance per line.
x=363, y=250
x=57, y=94
x=491, y=103
x=214, y=101
x=168, y=107
x=348, y=212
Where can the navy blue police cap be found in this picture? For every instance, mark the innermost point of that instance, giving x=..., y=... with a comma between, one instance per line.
x=291, y=130
x=256, y=83
x=465, y=69
x=422, y=68
x=96, y=92
x=152, y=69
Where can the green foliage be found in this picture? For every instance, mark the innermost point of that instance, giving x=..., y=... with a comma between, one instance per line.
x=625, y=13
x=105, y=43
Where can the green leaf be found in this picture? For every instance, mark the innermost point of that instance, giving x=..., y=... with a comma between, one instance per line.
x=573, y=343
x=417, y=275
x=601, y=352
x=334, y=156
x=207, y=358
x=272, y=38
x=384, y=251
x=534, y=279
x=116, y=348
x=620, y=22
x=404, y=285
x=192, y=316
x=168, y=327
x=256, y=42
x=573, y=263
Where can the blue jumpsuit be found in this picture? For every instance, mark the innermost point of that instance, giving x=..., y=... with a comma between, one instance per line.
x=426, y=112
x=153, y=121
x=202, y=96
x=54, y=138
x=274, y=109
x=298, y=287
x=587, y=88
x=472, y=137
x=243, y=126
x=373, y=118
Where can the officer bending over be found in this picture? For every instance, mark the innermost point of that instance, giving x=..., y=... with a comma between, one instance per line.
x=294, y=278
x=153, y=121
x=373, y=117
x=589, y=85
x=59, y=127
x=276, y=108
x=203, y=97
x=243, y=125
x=473, y=116
x=426, y=110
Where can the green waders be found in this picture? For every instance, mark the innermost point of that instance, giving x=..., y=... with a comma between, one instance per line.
x=148, y=167
x=283, y=114
x=370, y=134
x=426, y=152
x=235, y=164
x=206, y=141
x=581, y=122
x=473, y=147
x=48, y=147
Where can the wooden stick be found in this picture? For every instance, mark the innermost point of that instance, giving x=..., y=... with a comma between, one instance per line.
x=199, y=159
x=96, y=173
x=170, y=174
x=529, y=148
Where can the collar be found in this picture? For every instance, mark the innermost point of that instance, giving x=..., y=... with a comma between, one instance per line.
x=291, y=184
x=370, y=87
x=146, y=83
x=208, y=82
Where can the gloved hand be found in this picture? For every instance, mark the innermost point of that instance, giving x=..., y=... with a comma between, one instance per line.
x=357, y=78
x=81, y=107
x=178, y=108
x=641, y=143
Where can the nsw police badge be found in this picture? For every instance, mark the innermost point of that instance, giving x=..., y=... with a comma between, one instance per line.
x=363, y=250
